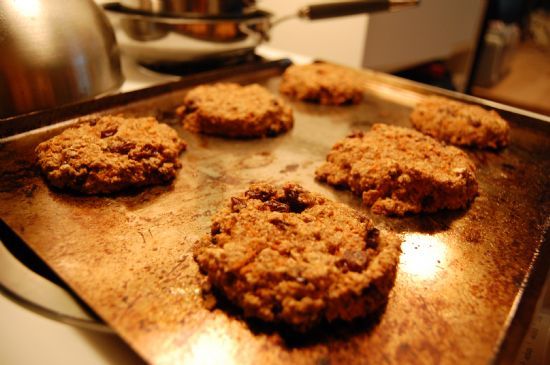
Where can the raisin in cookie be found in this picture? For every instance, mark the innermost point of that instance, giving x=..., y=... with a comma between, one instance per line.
x=286, y=255
x=459, y=123
x=110, y=154
x=322, y=83
x=232, y=110
x=399, y=170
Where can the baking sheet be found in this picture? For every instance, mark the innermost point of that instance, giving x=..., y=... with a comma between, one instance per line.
x=462, y=280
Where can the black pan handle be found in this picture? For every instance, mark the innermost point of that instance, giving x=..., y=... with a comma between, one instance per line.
x=344, y=8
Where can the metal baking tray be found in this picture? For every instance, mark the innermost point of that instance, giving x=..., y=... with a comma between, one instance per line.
x=467, y=281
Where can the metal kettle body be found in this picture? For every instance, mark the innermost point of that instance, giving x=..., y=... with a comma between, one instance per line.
x=54, y=52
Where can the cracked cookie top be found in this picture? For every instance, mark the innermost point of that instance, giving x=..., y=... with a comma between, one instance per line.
x=284, y=254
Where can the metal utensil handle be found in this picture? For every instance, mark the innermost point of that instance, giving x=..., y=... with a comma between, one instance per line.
x=344, y=8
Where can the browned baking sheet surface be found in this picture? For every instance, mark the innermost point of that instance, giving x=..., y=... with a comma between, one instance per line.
x=129, y=256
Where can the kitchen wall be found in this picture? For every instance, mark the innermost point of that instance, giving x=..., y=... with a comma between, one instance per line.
x=339, y=40
x=435, y=29
x=384, y=41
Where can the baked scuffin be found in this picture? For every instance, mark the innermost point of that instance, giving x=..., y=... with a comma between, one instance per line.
x=322, y=83
x=111, y=153
x=286, y=255
x=399, y=170
x=235, y=111
x=459, y=123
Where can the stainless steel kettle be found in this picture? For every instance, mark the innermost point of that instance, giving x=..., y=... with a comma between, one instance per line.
x=54, y=52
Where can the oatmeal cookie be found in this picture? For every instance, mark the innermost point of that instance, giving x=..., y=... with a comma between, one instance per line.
x=286, y=255
x=232, y=110
x=322, y=83
x=110, y=154
x=459, y=123
x=399, y=170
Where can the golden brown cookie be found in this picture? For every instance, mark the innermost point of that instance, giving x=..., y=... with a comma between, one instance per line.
x=110, y=154
x=286, y=255
x=322, y=83
x=459, y=123
x=399, y=170
x=232, y=110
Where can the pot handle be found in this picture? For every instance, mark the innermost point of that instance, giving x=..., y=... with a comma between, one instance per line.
x=344, y=8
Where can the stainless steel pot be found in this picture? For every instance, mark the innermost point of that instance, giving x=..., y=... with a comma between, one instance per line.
x=156, y=39
x=192, y=8
x=54, y=52
x=160, y=39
